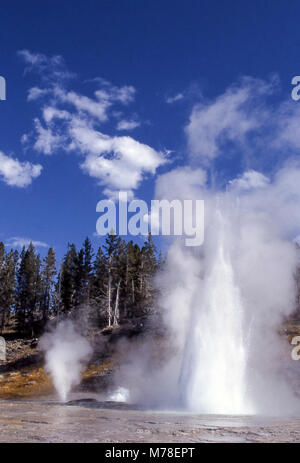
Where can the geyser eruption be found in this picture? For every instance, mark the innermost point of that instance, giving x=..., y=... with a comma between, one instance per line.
x=225, y=304
x=66, y=354
x=214, y=362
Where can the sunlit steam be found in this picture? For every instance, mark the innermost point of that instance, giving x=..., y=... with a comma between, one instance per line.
x=225, y=303
x=214, y=361
x=66, y=354
x=121, y=394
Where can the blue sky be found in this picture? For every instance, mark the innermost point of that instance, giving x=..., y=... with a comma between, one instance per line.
x=161, y=70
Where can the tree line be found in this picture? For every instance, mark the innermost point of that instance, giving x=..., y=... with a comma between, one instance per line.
x=105, y=288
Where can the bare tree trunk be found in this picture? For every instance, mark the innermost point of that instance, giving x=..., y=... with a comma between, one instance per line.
x=117, y=312
x=59, y=302
x=126, y=290
x=109, y=293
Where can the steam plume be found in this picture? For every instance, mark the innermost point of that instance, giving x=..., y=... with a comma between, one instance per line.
x=66, y=354
x=224, y=304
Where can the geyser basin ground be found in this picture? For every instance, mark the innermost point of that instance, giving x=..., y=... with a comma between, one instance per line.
x=87, y=421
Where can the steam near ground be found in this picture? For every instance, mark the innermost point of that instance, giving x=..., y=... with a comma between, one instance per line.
x=66, y=355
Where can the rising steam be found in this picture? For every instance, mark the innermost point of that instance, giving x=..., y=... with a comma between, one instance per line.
x=224, y=305
x=66, y=354
x=226, y=308
x=213, y=374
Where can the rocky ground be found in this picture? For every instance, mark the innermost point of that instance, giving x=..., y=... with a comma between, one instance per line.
x=29, y=411
x=23, y=374
x=84, y=420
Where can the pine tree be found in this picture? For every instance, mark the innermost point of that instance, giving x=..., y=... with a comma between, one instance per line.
x=132, y=279
x=68, y=279
x=116, y=286
x=7, y=285
x=28, y=289
x=48, y=273
x=98, y=286
x=84, y=273
x=2, y=254
x=78, y=279
x=88, y=255
x=2, y=286
x=149, y=266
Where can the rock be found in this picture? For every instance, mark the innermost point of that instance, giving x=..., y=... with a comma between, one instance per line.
x=2, y=349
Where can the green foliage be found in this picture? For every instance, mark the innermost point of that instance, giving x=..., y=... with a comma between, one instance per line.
x=108, y=288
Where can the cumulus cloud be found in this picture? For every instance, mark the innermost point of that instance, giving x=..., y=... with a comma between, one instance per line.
x=16, y=173
x=117, y=162
x=71, y=122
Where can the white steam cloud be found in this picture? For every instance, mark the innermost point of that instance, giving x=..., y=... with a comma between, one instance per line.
x=66, y=354
x=224, y=304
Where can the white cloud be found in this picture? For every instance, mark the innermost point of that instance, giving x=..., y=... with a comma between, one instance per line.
x=18, y=242
x=46, y=141
x=127, y=125
x=250, y=180
x=242, y=122
x=287, y=120
x=34, y=59
x=71, y=123
x=16, y=173
x=173, y=99
x=50, y=113
x=230, y=118
x=124, y=95
x=35, y=92
x=119, y=163
x=49, y=68
x=181, y=183
x=97, y=109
